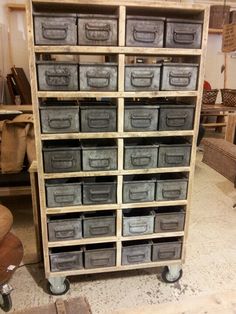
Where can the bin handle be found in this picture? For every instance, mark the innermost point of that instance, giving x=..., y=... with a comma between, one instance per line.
x=99, y=195
x=167, y=255
x=98, y=80
x=66, y=262
x=138, y=228
x=99, y=163
x=180, y=79
x=169, y=225
x=92, y=119
x=57, y=162
x=180, y=120
x=179, y=32
x=57, y=123
x=145, y=119
x=171, y=193
x=61, y=31
x=135, y=258
x=99, y=261
x=66, y=198
x=136, y=79
x=103, y=230
x=174, y=158
x=141, y=34
x=141, y=160
x=137, y=196
x=61, y=78
x=61, y=234
x=99, y=32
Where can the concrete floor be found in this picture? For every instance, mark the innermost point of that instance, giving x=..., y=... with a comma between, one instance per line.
x=210, y=262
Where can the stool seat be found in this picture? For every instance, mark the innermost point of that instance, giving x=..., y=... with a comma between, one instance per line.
x=6, y=221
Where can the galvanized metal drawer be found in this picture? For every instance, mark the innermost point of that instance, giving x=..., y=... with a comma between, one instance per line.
x=55, y=29
x=176, y=117
x=99, y=255
x=144, y=31
x=175, y=155
x=98, y=77
x=98, y=119
x=179, y=76
x=169, y=220
x=95, y=158
x=63, y=194
x=142, y=77
x=137, y=191
x=134, y=252
x=99, y=193
x=57, y=119
x=61, y=159
x=62, y=228
x=137, y=222
x=97, y=30
x=140, y=156
x=166, y=249
x=173, y=189
x=66, y=258
x=183, y=33
x=57, y=76
x=141, y=118
x=99, y=224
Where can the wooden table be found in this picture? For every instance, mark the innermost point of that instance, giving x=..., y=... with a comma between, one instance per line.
x=219, y=111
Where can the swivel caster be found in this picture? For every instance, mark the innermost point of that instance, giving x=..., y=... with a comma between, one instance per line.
x=5, y=298
x=58, y=286
x=172, y=274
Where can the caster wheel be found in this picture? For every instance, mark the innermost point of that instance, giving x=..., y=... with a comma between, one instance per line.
x=5, y=302
x=166, y=277
x=66, y=287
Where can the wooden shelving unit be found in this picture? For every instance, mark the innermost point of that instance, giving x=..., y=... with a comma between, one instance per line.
x=121, y=7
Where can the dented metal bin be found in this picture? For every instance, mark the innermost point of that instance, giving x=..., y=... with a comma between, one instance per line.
x=57, y=76
x=179, y=76
x=144, y=31
x=66, y=258
x=57, y=119
x=97, y=30
x=99, y=255
x=99, y=224
x=136, y=252
x=166, y=249
x=142, y=77
x=63, y=194
x=138, y=222
x=169, y=221
x=173, y=189
x=55, y=29
x=140, y=118
x=137, y=191
x=98, y=119
x=99, y=193
x=99, y=158
x=63, y=228
x=98, y=77
x=176, y=117
x=174, y=155
x=140, y=156
x=183, y=33
x=61, y=159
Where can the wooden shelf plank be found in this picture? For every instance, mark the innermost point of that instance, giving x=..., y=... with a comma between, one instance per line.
x=213, y=125
x=23, y=108
x=215, y=31
x=168, y=7
x=112, y=269
x=15, y=190
x=86, y=241
x=114, y=172
x=117, y=50
x=87, y=94
x=80, y=208
x=89, y=208
x=68, y=136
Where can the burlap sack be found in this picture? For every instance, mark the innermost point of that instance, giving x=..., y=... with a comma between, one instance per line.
x=17, y=139
x=6, y=221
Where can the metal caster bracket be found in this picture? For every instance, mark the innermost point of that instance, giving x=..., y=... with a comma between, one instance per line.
x=174, y=272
